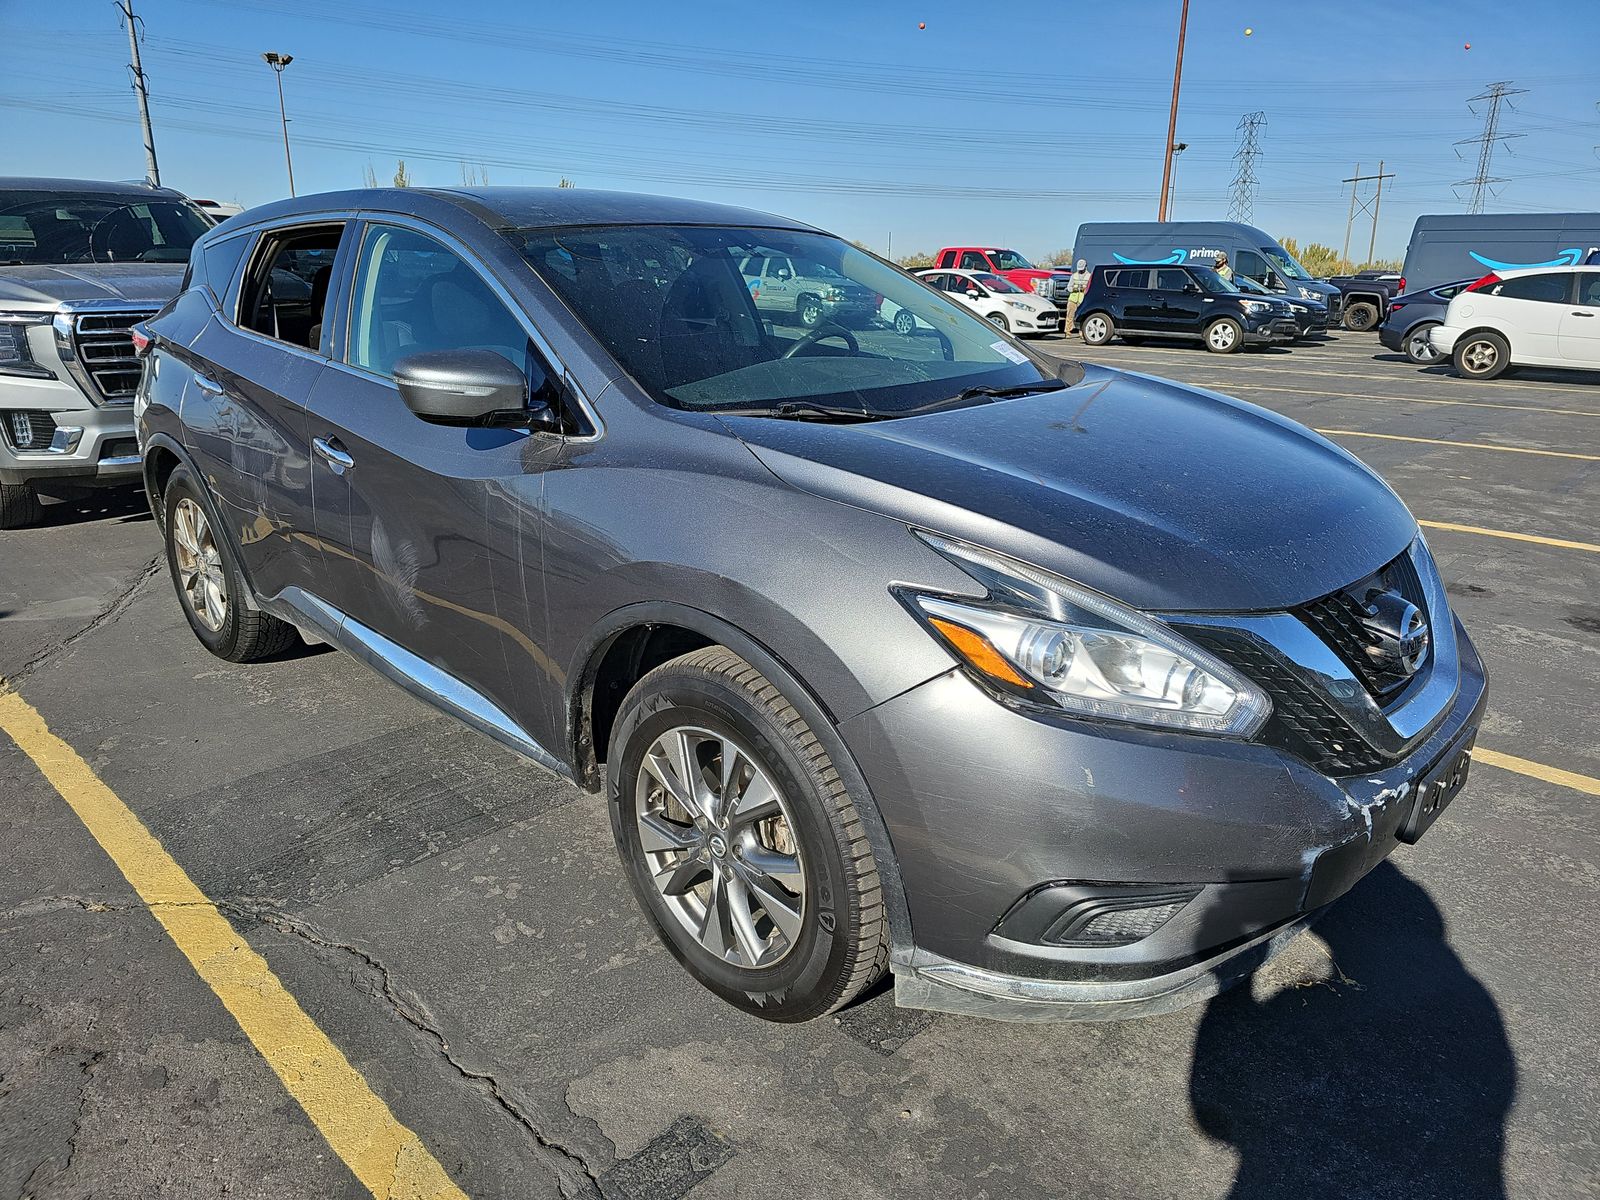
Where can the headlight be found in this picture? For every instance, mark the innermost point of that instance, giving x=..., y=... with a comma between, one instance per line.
x=1023, y=304
x=1041, y=286
x=1307, y=294
x=1041, y=640
x=15, y=356
x=1299, y=308
x=1256, y=306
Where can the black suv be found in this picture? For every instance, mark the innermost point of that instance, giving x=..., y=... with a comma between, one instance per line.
x=1180, y=302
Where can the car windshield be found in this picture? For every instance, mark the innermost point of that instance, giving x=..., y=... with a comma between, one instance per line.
x=997, y=283
x=1282, y=259
x=1212, y=282
x=1009, y=260
x=46, y=228
x=673, y=307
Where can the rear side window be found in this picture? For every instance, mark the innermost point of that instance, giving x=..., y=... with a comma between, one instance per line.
x=219, y=263
x=286, y=287
x=1550, y=289
x=1129, y=279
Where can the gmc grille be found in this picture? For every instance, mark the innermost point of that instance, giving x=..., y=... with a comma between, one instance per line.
x=103, y=344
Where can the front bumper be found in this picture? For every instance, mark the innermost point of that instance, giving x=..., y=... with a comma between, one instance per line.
x=1270, y=330
x=1020, y=806
x=1036, y=322
x=90, y=446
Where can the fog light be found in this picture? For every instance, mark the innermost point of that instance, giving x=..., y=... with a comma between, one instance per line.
x=30, y=430
x=1120, y=928
x=1115, y=916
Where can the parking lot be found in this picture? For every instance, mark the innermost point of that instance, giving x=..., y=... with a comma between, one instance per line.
x=454, y=923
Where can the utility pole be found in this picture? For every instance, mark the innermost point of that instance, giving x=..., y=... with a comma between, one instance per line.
x=1495, y=95
x=278, y=62
x=1172, y=118
x=141, y=89
x=1244, y=183
x=1363, y=207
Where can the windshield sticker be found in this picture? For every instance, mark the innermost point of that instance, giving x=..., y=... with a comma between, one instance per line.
x=1008, y=351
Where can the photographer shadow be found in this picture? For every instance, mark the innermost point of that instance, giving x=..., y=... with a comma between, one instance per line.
x=1394, y=1077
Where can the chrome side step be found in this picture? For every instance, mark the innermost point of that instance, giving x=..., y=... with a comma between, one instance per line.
x=422, y=679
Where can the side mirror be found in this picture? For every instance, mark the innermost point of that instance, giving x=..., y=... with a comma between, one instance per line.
x=1191, y=288
x=784, y=273
x=974, y=294
x=467, y=387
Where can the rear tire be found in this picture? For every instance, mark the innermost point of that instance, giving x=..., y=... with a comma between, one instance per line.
x=1482, y=355
x=781, y=915
x=19, y=506
x=210, y=589
x=1224, y=336
x=1097, y=329
x=904, y=323
x=1417, y=346
x=1360, y=316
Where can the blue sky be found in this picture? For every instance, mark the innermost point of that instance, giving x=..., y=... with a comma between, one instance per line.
x=998, y=122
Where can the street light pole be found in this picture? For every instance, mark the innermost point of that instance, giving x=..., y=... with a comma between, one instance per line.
x=278, y=62
x=1172, y=192
x=1172, y=119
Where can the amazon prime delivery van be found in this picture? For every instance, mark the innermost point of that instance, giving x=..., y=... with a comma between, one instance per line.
x=1250, y=252
x=1444, y=249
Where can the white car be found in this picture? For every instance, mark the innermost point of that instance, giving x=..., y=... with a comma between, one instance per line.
x=992, y=297
x=1539, y=317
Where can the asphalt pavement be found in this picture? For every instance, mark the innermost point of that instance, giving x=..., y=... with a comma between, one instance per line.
x=455, y=923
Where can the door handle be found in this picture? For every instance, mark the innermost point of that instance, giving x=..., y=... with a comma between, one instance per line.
x=208, y=385
x=330, y=449
x=1578, y=313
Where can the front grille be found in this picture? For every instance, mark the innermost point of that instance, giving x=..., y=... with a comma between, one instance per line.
x=103, y=345
x=27, y=430
x=1302, y=722
x=1339, y=620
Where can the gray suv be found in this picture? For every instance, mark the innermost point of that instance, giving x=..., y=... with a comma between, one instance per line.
x=80, y=263
x=1057, y=691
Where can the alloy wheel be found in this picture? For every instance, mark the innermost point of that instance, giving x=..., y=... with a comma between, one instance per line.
x=904, y=323
x=1094, y=329
x=1480, y=357
x=720, y=845
x=1221, y=335
x=201, y=577
x=1419, y=348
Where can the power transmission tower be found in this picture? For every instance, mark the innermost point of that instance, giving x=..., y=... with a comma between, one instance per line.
x=1494, y=96
x=1360, y=206
x=1244, y=182
x=141, y=89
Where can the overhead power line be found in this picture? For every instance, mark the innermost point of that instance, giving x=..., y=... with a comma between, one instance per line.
x=1492, y=97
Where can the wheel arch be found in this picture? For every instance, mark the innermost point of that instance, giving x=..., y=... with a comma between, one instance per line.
x=634, y=639
x=163, y=455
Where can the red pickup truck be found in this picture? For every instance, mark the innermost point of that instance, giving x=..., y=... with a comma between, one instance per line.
x=1052, y=284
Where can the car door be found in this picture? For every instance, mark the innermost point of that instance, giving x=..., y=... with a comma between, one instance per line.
x=1578, y=337
x=778, y=291
x=256, y=363
x=1180, y=308
x=431, y=531
x=1140, y=307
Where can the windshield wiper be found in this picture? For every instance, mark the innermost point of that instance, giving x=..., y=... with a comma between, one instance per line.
x=799, y=410
x=1007, y=393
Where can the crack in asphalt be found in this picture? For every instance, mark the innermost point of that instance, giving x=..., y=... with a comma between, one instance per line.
x=110, y=612
x=87, y=1067
x=574, y=1176
x=576, y=1179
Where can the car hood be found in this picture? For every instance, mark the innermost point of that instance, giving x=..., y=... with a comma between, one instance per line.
x=1167, y=497
x=153, y=282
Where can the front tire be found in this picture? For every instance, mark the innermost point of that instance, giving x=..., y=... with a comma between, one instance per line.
x=809, y=311
x=1417, y=346
x=1360, y=316
x=741, y=841
x=210, y=589
x=1481, y=356
x=904, y=323
x=19, y=506
x=1224, y=336
x=1097, y=329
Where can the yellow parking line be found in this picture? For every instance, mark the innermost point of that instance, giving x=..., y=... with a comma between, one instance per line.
x=1563, y=543
x=1230, y=385
x=384, y=1155
x=1523, y=766
x=1396, y=437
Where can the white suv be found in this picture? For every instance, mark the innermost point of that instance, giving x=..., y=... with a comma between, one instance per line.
x=1542, y=317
